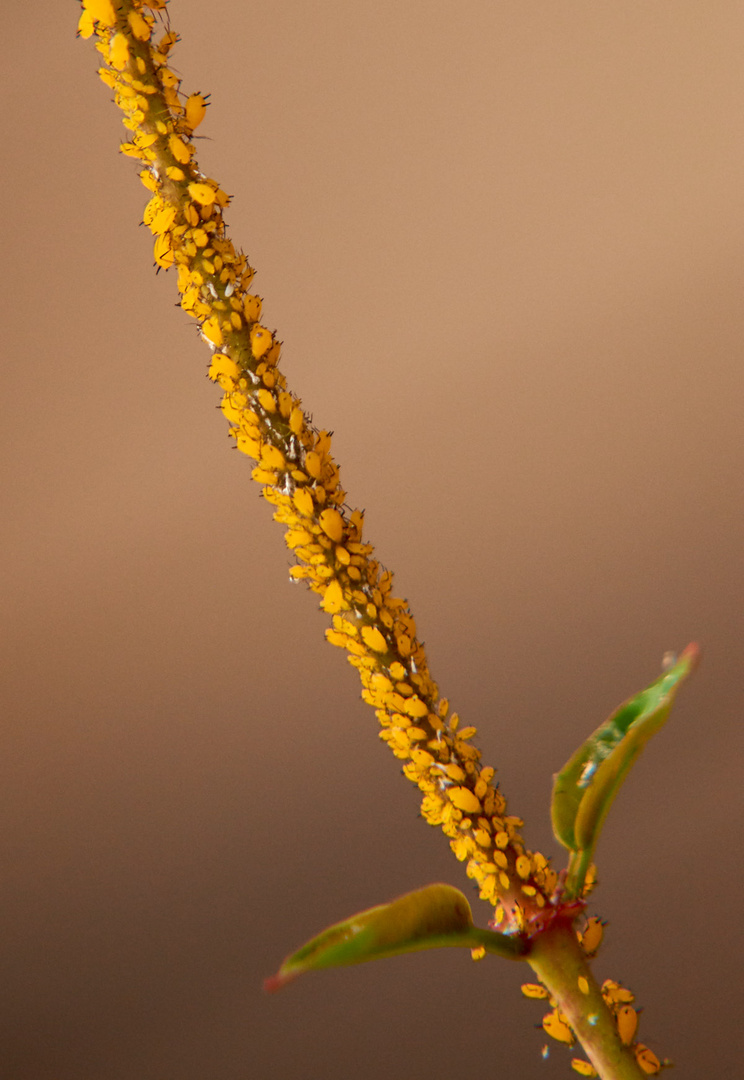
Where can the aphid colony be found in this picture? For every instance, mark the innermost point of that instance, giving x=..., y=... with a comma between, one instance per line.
x=618, y=999
x=296, y=470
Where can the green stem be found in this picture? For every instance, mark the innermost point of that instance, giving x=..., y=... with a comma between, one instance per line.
x=557, y=959
x=578, y=867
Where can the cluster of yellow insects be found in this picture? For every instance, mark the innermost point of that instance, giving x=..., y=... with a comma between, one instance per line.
x=295, y=467
x=299, y=477
x=618, y=999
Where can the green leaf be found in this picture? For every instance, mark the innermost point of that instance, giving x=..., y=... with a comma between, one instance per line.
x=584, y=789
x=429, y=918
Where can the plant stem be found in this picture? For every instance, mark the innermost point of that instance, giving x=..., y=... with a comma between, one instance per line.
x=557, y=959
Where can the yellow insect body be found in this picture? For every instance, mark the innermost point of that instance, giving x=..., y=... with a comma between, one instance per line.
x=627, y=1023
x=592, y=936
x=583, y=1068
x=647, y=1060
x=102, y=11
x=555, y=1025
x=196, y=110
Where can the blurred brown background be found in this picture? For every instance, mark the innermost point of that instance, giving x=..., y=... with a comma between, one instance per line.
x=503, y=245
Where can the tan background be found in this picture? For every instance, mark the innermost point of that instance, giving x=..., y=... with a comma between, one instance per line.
x=503, y=245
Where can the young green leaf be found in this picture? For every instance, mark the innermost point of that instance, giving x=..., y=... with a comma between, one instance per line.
x=428, y=918
x=584, y=789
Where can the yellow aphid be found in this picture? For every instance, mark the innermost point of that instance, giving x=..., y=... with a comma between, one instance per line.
x=415, y=708
x=119, y=52
x=592, y=936
x=481, y=788
x=332, y=525
x=455, y=772
x=583, y=1068
x=196, y=110
x=404, y=644
x=422, y=758
x=615, y=994
x=647, y=1060
x=107, y=77
x=252, y=307
x=149, y=181
x=272, y=457
x=167, y=42
x=479, y=953
x=260, y=341
x=163, y=251
x=152, y=209
x=583, y=984
x=534, y=990
x=202, y=194
x=523, y=866
x=86, y=25
x=229, y=410
x=627, y=1024
x=251, y=447
x=181, y=152
x=323, y=442
x=297, y=537
x=169, y=79
x=463, y=799
x=303, y=500
x=211, y=330
x=223, y=365
x=373, y=639
x=102, y=11
x=267, y=400
x=557, y=1028
x=141, y=29
x=163, y=220
x=313, y=464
